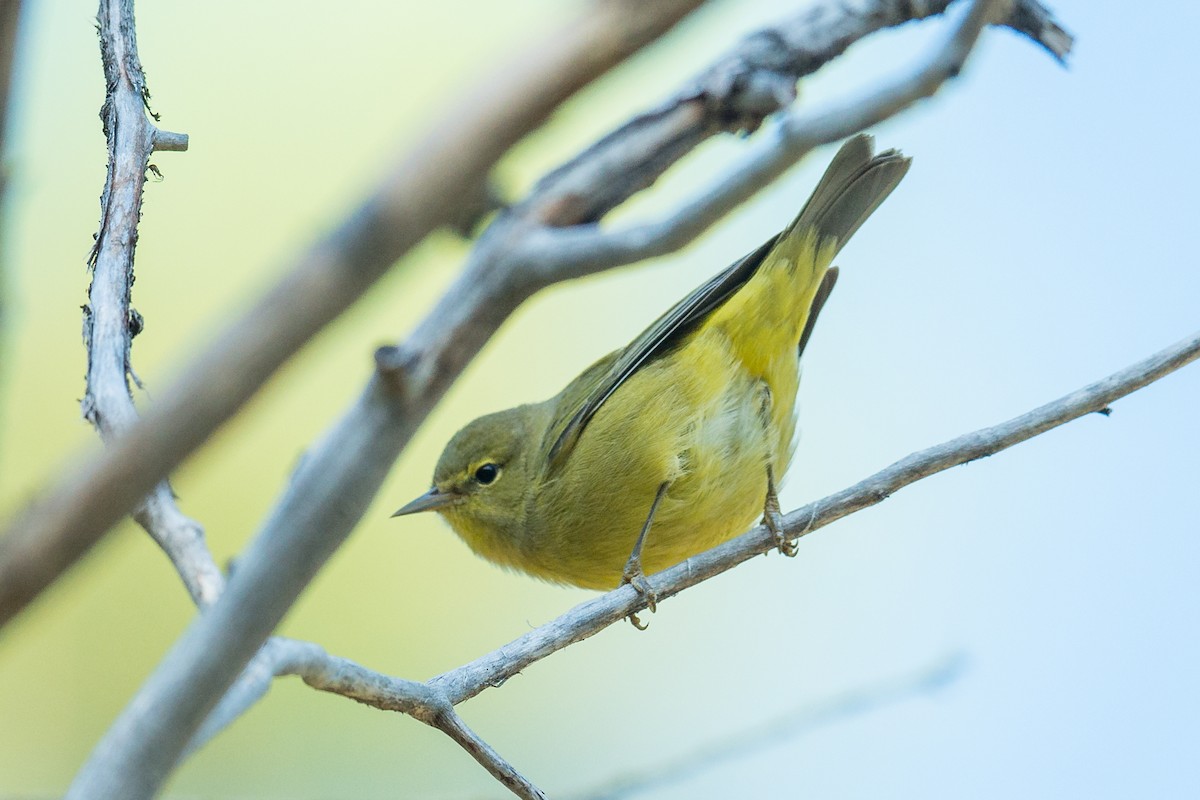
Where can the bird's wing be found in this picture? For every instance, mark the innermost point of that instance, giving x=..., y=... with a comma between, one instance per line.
x=581, y=400
x=854, y=184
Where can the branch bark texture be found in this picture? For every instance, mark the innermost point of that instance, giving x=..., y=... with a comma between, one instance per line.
x=109, y=321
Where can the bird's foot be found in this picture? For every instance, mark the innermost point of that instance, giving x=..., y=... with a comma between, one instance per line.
x=635, y=577
x=773, y=519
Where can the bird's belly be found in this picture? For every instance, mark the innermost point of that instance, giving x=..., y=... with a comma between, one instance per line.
x=712, y=452
x=721, y=491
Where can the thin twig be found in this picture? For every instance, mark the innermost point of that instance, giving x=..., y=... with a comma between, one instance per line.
x=109, y=321
x=453, y=726
x=591, y=617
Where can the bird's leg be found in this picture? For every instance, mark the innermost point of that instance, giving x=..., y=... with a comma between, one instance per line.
x=633, y=574
x=772, y=517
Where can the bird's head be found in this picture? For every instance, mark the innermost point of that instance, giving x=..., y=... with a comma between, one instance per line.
x=481, y=481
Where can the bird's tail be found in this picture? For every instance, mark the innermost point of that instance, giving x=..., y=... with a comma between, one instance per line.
x=795, y=273
x=855, y=183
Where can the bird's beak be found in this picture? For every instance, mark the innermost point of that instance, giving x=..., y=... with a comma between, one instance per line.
x=430, y=501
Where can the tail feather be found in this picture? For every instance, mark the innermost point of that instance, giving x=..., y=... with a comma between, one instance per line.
x=854, y=185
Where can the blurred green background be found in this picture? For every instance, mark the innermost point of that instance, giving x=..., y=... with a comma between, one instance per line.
x=1042, y=240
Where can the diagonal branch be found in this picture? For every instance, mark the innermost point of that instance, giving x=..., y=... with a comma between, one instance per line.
x=420, y=194
x=591, y=617
x=585, y=249
x=735, y=94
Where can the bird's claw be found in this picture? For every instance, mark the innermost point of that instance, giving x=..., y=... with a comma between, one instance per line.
x=774, y=522
x=635, y=577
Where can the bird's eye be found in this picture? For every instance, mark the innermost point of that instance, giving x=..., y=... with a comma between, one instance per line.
x=487, y=473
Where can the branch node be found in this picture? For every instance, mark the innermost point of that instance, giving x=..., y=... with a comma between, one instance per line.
x=168, y=141
x=394, y=366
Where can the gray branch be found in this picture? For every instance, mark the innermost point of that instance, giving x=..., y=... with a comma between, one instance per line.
x=591, y=617
x=583, y=249
x=109, y=321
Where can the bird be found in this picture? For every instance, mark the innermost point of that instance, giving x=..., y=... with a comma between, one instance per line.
x=674, y=443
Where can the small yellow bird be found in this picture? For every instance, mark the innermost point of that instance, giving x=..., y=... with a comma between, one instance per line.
x=671, y=445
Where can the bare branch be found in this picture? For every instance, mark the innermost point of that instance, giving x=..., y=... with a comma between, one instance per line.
x=561, y=253
x=742, y=88
x=591, y=617
x=329, y=673
x=109, y=321
x=182, y=539
x=452, y=725
x=418, y=195
x=166, y=141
